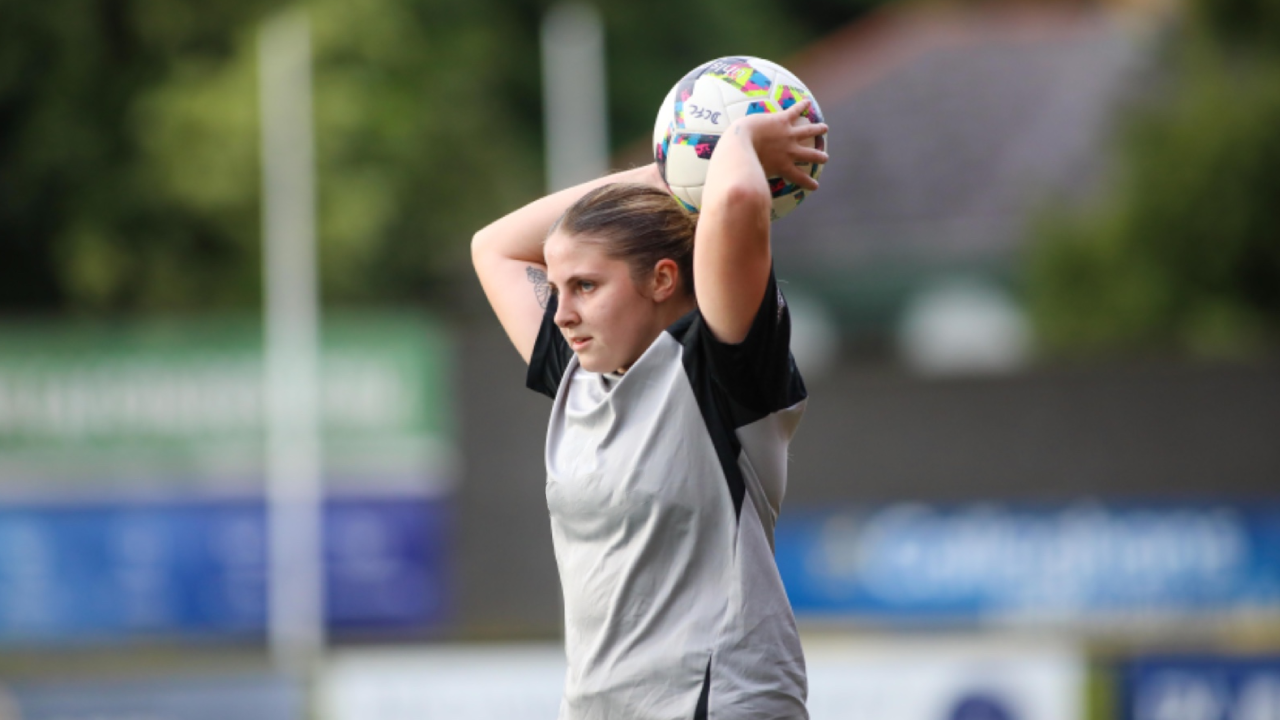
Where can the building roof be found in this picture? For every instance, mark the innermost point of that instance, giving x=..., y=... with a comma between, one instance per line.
x=950, y=127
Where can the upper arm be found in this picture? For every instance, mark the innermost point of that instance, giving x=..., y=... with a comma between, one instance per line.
x=517, y=290
x=758, y=373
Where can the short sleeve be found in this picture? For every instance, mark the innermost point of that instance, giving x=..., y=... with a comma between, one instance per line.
x=758, y=373
x=550, y=357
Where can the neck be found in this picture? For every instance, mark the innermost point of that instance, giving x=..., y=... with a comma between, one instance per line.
x=673, y=310
x=668, y=313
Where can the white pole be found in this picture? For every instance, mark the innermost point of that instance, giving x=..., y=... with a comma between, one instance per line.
x=573, y=95
x=293, y=477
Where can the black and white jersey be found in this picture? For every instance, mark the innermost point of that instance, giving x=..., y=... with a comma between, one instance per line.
x=663, y=485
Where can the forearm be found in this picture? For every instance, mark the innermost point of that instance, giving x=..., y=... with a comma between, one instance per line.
x=508, y=258
x=519, y=234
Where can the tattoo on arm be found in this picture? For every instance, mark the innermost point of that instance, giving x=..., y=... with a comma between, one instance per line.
x=541, y=289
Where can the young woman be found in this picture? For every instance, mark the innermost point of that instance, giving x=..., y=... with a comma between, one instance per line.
x=673, y=409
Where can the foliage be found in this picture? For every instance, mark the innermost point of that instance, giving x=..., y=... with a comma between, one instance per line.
x=69, y=73
x=1253, y=23
x=129, y=174
x=1185, y=254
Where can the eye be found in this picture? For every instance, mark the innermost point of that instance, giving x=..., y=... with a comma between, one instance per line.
x=586, y=286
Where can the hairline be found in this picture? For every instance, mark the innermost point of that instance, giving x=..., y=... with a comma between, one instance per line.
x=631, y=266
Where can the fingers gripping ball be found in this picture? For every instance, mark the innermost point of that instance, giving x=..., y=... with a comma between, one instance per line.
x=699, y=109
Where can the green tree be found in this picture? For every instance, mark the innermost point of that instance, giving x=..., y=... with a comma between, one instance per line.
x=412, y=148
x=129, y=174
x=69, y=73
x=1184, y=256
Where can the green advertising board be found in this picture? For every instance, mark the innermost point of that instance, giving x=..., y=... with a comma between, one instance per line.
x=181, y=403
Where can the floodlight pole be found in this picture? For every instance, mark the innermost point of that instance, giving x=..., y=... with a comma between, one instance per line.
x=573, y=95
x=295, y=586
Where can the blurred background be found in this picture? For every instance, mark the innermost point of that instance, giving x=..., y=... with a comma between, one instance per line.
x=1036, y=301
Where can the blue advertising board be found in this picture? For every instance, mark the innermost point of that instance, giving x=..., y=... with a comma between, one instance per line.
x=1201, y=687
x=116, y=568
x=913, y=562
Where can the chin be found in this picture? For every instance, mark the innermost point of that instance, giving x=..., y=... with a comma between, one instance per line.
x=597, y=362
x=594, y=365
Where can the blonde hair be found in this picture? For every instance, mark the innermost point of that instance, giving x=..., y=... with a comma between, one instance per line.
x=638, y=224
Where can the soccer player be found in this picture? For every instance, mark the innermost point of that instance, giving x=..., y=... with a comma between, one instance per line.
x=664, y=343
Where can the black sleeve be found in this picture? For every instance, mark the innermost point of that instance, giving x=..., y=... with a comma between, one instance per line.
x=758, y=374
x=550, y=357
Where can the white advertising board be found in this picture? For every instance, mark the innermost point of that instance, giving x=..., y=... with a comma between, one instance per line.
x=933, y=679
x=512, y=682
x=893, y=679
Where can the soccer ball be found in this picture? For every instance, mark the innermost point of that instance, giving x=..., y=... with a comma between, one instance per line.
x=699, y=109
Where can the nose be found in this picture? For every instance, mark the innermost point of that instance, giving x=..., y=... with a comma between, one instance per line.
x=566, y=316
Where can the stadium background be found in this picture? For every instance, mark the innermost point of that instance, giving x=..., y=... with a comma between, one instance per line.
x=1037, y=304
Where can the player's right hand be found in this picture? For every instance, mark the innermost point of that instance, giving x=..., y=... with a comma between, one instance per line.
x=783, y=142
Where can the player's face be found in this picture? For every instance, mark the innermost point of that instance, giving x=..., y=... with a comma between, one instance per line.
x=606, y=319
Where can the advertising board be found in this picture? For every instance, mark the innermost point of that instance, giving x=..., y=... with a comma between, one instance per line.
x=1056, y=564
x=86, y=572
x=1202, y=687
x=512, y=682
x=970, y=679
x=163, y=406
x=132, y=480
x=848, y=680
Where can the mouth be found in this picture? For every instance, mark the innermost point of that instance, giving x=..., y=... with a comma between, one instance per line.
x=578, y=343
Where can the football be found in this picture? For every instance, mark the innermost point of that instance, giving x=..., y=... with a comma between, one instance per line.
x=700, y=107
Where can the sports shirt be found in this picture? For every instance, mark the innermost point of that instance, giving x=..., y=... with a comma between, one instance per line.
x=663, y=486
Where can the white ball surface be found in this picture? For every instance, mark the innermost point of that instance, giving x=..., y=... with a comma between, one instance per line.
x=699, y=108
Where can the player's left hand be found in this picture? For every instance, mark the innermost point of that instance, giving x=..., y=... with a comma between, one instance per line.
x=784, y=144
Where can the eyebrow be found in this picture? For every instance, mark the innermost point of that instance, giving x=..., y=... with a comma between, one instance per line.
x=575, y=279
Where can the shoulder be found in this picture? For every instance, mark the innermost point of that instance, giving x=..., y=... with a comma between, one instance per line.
x=755, y=377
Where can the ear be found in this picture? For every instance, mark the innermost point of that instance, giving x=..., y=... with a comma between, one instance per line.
x=665, y=281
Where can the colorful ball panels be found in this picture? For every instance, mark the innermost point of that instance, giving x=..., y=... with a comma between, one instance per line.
x=700, y=107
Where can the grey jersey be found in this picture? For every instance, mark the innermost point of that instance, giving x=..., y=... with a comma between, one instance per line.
x=663, y=486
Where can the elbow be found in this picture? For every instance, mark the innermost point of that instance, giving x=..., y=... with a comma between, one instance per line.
x=744, y=197
x=479, y=245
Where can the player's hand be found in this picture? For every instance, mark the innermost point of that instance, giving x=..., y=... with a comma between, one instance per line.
x=783, y=142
